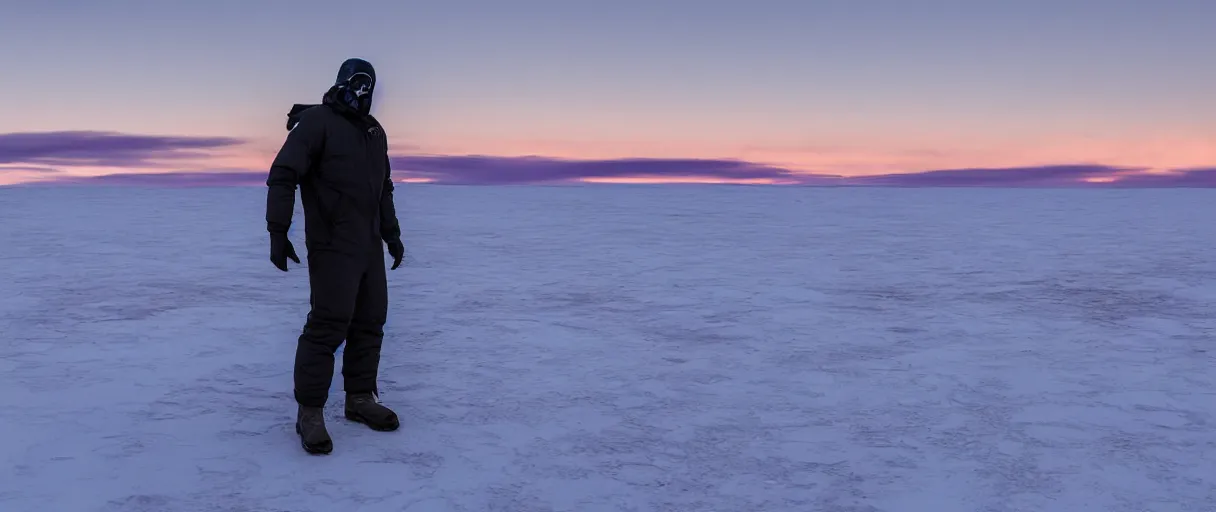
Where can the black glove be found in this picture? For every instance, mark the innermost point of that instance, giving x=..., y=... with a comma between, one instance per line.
x=280, y=250
x=397, y=249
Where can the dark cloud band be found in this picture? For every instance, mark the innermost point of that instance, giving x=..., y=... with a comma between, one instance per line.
x=103, y=149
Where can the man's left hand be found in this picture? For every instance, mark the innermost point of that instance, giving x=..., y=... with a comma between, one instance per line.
x=397, y=249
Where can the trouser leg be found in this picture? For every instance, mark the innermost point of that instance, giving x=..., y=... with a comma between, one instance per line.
x=334, y=279
x=364, y=337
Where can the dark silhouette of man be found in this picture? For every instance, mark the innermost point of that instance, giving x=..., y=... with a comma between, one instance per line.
x=337, y=154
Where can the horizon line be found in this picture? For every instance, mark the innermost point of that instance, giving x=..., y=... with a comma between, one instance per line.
x=113, y=158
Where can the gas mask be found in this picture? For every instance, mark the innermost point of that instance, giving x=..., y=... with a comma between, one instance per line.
x=356, y=81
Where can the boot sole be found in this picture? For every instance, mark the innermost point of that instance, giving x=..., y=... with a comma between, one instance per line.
x=325, y=449
x=357, y=418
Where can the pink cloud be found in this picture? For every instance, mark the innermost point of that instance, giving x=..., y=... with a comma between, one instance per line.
x=36, y=156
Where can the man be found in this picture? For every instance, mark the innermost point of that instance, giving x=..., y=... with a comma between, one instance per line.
x=338, y=155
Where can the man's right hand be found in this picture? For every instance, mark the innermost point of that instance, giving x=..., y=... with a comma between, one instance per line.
x=280, y=250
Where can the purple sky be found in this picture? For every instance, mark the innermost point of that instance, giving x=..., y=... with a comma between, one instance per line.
x=42, y=153
x=837, y=87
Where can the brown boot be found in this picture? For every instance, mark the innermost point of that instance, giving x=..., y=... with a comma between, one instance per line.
x=310, y=425
x=365, y=408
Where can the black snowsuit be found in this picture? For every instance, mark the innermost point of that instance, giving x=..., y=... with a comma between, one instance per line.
x=339, y=159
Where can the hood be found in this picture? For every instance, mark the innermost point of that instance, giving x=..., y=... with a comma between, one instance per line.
x=293, y=115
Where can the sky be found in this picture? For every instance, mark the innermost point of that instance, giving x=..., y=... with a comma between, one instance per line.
x=886, y=92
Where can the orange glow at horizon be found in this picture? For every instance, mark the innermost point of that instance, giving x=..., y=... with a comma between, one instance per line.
x=860, y=158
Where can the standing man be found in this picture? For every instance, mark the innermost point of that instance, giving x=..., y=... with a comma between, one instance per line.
x=338, y=155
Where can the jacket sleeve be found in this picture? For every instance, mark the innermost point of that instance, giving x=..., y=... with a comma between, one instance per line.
x=390, y=228
x=301, y=149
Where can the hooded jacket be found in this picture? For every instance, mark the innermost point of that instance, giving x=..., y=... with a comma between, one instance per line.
x=339, y=159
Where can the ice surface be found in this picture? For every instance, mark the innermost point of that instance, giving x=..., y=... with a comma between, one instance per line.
x=609, y=348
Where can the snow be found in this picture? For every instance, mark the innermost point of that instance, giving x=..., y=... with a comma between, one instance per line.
x=625, y=348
